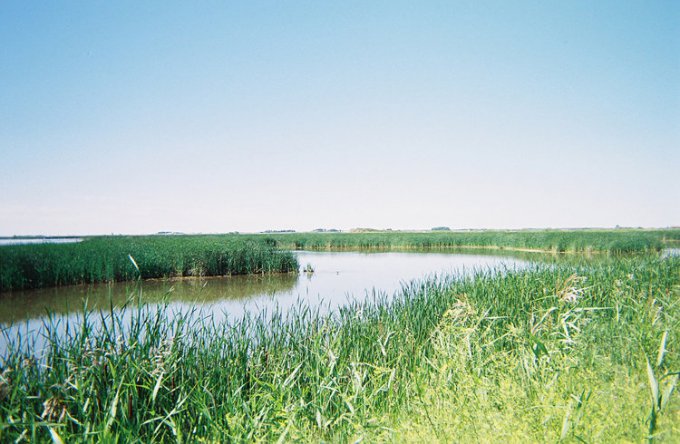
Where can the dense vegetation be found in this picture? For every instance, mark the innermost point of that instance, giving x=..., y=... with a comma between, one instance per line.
x=120, y=258
x=549, y=240
x=586, y=352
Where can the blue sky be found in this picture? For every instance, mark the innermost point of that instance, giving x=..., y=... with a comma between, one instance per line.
x=138, y=117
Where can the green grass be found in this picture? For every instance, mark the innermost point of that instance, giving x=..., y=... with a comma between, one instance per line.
x=106, y=259
x=611, y=241
x=534, y=367
x=560, y=351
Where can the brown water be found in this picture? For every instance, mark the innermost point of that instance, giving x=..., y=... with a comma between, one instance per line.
x=30, y=304
x=338, y=277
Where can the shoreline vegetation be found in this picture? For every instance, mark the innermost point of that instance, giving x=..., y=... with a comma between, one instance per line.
x=125, y=258
x=553, y=241
x=573, y=351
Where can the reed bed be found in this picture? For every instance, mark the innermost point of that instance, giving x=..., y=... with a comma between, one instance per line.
x=610, y=241
x=106, y=259
x=563, y=351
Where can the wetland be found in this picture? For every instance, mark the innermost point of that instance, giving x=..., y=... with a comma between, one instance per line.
x=380, y=344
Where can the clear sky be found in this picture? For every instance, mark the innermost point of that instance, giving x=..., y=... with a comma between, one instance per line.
x=138, y=117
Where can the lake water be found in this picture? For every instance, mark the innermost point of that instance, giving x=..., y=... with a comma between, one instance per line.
x=338, y=277
x=39, y=240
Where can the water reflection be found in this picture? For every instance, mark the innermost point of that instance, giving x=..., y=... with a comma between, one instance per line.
x=29, y=304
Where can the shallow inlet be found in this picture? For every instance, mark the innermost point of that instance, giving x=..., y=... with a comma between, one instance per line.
x=338, y=278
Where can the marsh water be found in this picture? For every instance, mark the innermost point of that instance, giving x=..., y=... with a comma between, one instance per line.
x=39, y=240
x=338, y=278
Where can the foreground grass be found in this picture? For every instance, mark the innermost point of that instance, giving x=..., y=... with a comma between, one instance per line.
x=601, y=369
x=563, y=351
x=107, y=259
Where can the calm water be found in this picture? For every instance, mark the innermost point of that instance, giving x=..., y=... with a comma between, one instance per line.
x=40, y=240
x=670, y=252
x=337, y=279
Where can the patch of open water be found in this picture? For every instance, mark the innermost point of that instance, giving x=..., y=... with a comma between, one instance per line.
x=39, y=240
x=338, y=278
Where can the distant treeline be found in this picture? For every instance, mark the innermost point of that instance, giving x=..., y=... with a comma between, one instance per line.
x=118, y=258
x=613, y=241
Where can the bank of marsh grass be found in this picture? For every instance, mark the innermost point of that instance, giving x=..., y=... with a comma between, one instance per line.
x=118, y=258
x=610, y=241
x=579, y=352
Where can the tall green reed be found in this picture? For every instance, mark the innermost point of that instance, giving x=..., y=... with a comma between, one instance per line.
x=107, y=259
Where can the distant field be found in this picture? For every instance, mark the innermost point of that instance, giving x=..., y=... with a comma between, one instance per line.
x=544, y=240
